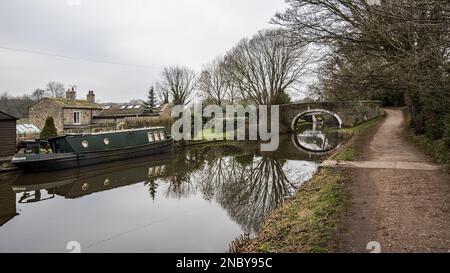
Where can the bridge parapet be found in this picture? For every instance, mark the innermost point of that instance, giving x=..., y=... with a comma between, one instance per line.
x=348, y=113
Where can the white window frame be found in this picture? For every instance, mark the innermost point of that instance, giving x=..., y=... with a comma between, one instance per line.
x=75, y=113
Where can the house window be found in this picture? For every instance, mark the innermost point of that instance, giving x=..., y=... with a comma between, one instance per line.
x=76, y=118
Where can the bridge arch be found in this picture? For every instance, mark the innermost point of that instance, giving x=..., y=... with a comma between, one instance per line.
x=315, y=111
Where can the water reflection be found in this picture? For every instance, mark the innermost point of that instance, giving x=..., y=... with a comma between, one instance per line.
x=316, y=139
x=235, y=179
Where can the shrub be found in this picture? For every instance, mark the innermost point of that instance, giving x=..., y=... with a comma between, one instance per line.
x=447, y=130
x=49, y=129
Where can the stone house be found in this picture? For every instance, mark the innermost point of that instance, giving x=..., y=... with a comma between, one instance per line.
x=70, y=115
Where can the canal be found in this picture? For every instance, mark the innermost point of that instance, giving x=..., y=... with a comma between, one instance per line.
x=196, y=199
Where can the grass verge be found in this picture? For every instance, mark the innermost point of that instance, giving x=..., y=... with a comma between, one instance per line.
x=307, y=223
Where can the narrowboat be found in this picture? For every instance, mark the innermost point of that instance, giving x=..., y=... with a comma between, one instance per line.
x=78, y=150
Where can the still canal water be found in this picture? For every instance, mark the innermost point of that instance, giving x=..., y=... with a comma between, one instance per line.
x=197, y=199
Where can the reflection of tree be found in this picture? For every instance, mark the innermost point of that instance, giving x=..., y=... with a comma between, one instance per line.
x=180, y=172
x=248, y=192
x=256, y=191
x=152, y=187
x=188, y=163
x=248, y=187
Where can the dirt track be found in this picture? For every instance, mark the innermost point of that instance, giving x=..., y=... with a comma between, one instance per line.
x=403, y=210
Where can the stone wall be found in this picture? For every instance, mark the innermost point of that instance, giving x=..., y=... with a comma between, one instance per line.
x=110, y=123
x=140, y=122
x=164, y=119
x=39, y=112
x=85, y=116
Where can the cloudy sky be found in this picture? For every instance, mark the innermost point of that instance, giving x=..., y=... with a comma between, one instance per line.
x=118, y=47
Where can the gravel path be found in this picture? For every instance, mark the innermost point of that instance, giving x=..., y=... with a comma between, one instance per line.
x=403, y=210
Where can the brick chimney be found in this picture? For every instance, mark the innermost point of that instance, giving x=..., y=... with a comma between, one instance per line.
x=71, y=93
x=91, y=96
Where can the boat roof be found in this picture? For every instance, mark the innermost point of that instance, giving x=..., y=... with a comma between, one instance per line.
x=120, y=131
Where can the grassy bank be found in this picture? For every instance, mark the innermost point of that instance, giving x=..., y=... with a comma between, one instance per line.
x=312, y=220
x=307, y=223
x=356, y=137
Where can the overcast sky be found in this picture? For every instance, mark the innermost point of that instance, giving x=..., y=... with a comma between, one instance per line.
x=142, y=36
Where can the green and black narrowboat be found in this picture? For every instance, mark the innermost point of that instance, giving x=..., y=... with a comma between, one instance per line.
x=78, y=150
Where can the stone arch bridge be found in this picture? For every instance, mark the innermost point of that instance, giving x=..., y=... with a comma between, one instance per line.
x=347, y=113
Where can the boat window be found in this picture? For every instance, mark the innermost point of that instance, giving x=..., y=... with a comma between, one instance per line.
x=106, y=141
x=85, y=144
x=150, y=137
x=162, y=135
x=157, y=138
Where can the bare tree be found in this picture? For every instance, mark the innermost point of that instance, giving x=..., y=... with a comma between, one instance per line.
x=382, y=46
x=55, y=89
x=162, y=94
x=179, y=83
x=213, y=85
x=38, y=94
x=266, y=67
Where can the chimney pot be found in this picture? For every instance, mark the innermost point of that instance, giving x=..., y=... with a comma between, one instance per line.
x=91, y=96
x=71, y=94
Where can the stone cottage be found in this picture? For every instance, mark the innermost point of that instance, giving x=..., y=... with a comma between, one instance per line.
x=71, y=115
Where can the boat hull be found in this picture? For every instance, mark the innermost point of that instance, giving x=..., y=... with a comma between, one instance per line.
x=49, y=162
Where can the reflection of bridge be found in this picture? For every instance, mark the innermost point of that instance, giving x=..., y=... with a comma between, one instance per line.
x=348, y=114
x=290, y=149
x=315, y=142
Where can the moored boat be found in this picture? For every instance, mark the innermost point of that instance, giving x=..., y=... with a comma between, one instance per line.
x=77, y=150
